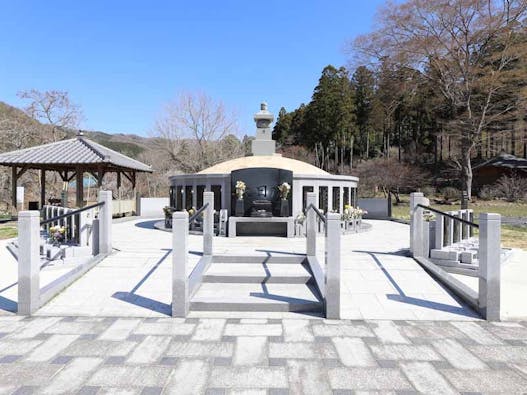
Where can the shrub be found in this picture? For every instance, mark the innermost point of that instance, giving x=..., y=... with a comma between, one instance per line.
x=450, y=194
x=512, y=188
x=489, y=192
x=428, y=191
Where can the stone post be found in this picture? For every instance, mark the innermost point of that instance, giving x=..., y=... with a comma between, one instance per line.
x=28, y=262
x=416, y=224
x=333, y=234
x=311, y=225
x=439, y=232
x=489, y=265
x=208, y=223
x=138, y=204
x=83, y=227
x=180, y=296
x=95, y=236
x=105, y=222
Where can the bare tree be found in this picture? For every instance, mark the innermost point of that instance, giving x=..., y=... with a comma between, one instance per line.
x=54, y=108
x=197, y=131
x=468, y=48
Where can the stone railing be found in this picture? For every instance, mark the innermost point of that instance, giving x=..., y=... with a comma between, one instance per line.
x=184, y=285
x=30, y=294
x=486, y=299
x=328, y=278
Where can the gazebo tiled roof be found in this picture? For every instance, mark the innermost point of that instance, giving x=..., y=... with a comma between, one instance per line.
x=70, y=153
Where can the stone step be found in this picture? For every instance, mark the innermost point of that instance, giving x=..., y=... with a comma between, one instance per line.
x=257, y=273
x=281, y=259
x=256, y=297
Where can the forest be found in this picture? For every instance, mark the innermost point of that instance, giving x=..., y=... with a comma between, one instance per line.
x=437, y=87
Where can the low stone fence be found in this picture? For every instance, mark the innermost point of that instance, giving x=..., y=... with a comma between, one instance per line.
x=31, y=246
x=152, y=207
x=184, y=285
x=486, y=299
x=377, y=208
x=327, y=277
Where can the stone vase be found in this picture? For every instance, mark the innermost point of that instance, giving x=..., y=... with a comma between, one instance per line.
x=239, y=210
x=284, y=208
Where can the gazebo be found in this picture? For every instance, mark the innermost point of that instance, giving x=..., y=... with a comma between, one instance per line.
x=71, y=159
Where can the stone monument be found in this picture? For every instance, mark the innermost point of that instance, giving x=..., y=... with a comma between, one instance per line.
x=263, y=144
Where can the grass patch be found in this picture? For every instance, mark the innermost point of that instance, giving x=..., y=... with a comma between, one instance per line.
x=8, y=231
x=514, y=236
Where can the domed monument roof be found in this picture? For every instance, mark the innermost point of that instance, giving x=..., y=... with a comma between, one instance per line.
x=273, y=161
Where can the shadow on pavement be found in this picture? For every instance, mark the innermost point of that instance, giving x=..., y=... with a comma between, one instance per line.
x=142, y=301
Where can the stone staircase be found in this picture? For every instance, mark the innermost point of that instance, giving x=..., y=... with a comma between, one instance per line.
x=258, y=283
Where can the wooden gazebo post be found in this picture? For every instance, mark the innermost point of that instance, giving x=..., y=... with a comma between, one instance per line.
x=42, y=188
x=79, y=186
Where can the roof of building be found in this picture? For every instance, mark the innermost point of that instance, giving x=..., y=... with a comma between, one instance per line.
x=272, y=161
x=71, y=152
x=506, y=161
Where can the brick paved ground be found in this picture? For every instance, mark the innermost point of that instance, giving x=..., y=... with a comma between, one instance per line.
x=88, y=355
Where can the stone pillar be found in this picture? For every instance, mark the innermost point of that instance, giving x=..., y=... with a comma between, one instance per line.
x=439, y=231
x=180, y=296
x=333, y=234
x=138, y=204
x=208, y=223
x=311, y=225
x=95, y=236
x=105, y=222
x=28, y=262
x=416, y=224
x=489, y=255
x=83, y=227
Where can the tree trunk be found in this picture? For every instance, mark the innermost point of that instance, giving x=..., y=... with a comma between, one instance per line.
x=466, y=166
x=351, y=152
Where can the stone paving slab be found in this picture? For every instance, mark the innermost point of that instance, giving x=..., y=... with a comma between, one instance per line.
x=279, y=356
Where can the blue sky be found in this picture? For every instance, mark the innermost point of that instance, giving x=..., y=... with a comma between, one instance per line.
x=123, y=60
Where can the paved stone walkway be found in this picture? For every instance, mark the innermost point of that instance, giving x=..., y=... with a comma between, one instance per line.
x=89, y=355
x=379, y=280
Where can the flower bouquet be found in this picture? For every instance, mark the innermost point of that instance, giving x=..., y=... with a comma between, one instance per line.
x=284, y=189
x=57, y=234
x=240, y=189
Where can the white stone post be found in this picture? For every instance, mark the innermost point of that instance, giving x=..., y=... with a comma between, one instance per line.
x=105, y=222
x=489, y=255
x=180, y=296
x=311, y=225
x=83, y=227
x=439, y=232
x=138, y=204
x=28, y=262
x=416, y=224
x=208, y=223
x=333, y=234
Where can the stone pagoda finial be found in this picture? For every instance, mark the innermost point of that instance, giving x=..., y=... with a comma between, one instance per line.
x=263, y=144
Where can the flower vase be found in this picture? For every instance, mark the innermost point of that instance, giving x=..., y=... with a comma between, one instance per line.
x=284, y=208
x=240, y=208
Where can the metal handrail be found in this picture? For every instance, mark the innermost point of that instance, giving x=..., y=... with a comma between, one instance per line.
x=71, y=213
x=195, y=215
x=317, y=211
x=464, y=221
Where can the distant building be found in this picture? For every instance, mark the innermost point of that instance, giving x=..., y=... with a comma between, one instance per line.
x=490, y=171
